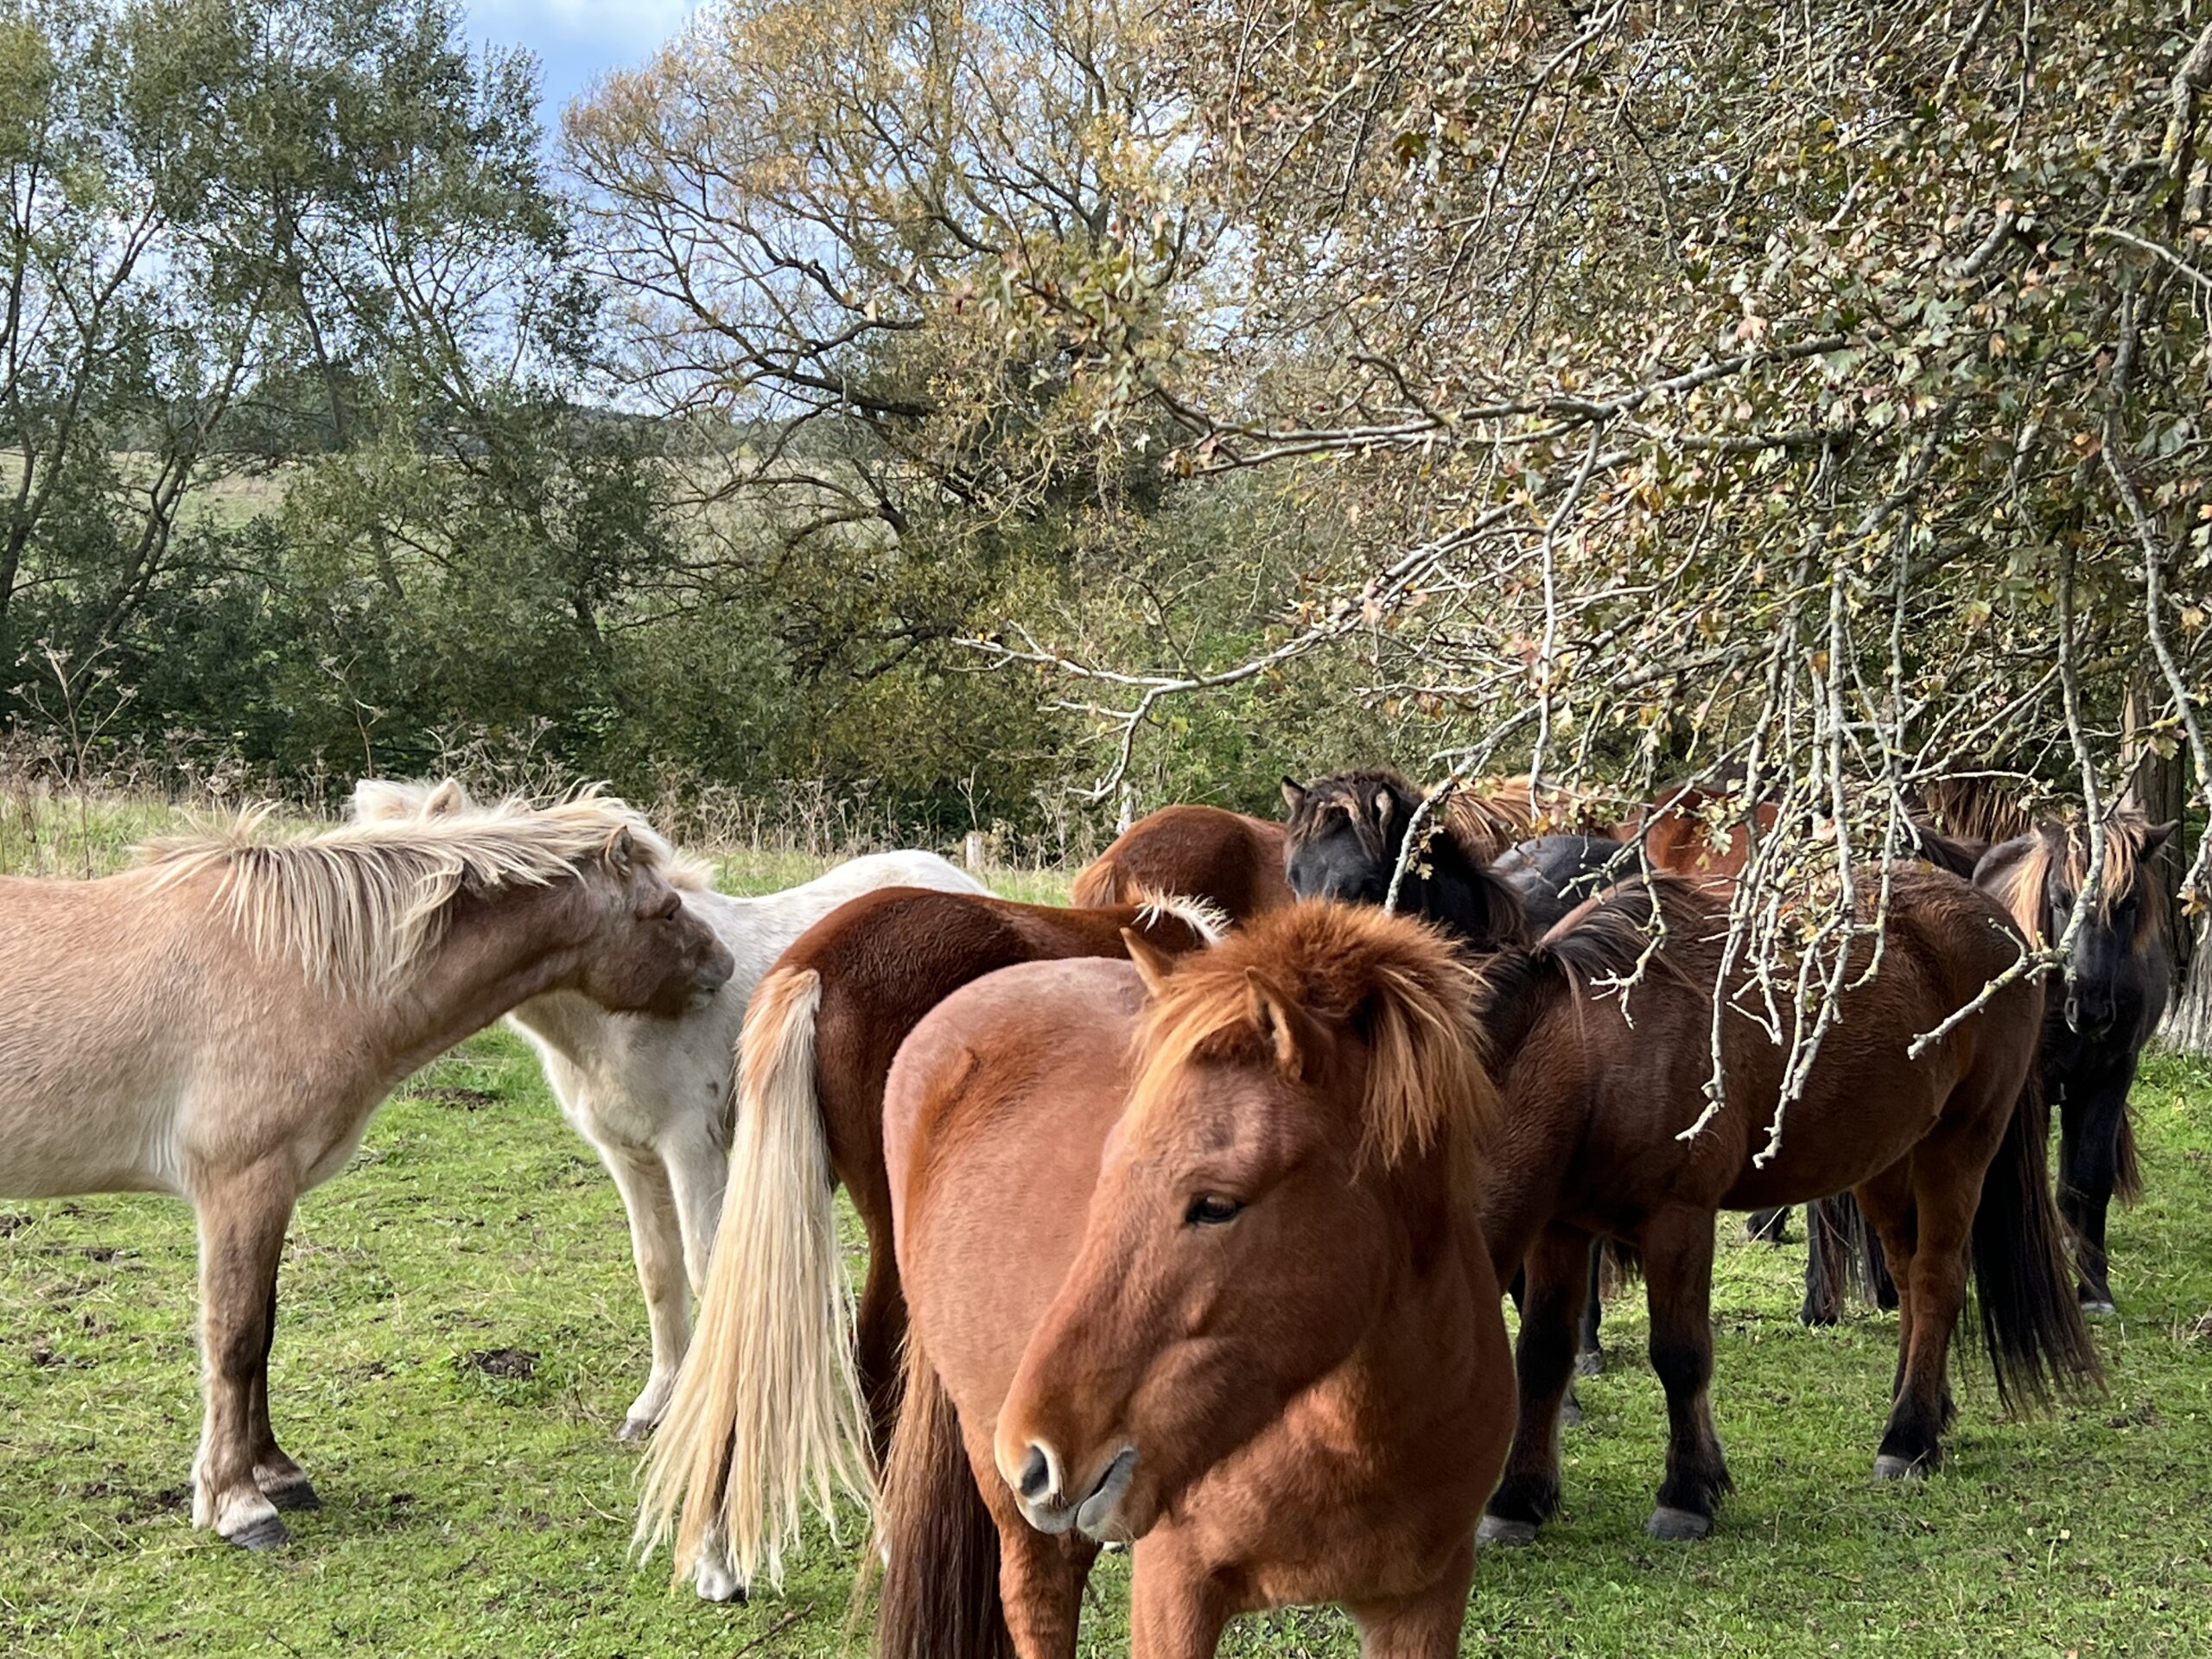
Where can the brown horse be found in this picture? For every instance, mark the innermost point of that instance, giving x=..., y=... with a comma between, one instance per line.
x=782, y=1398
x=1945, y=1154
x=1223, y=857
x=1193, y=1263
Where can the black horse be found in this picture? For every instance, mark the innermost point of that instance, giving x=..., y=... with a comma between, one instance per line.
x=1554, y=874
x=1346, y=834
x=2093, y=1032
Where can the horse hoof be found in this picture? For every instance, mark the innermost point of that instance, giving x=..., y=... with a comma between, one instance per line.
x=296, y=1494
x=2097, y=1307
x=1514, y=1534
x=1570, y=1413
x=1591, y=1362
x=715, y=1582
x=266, y=1532
x=634, y=1429
x=1890, y=1466
x=1677, y=1526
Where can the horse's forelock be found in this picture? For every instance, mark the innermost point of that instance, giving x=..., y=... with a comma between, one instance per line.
x=2126, y=868
x=1394, y=983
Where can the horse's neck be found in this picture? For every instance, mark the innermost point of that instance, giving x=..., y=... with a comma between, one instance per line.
x=1468, y=902
x=1425, y=1329
x=568, y=1023
x=495, y=956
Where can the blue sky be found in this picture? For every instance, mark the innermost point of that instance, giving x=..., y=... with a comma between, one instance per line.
x=576, y=41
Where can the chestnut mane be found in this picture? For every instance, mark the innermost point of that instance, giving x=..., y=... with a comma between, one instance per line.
x=1400, y=986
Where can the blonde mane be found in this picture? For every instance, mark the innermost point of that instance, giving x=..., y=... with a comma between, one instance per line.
x=360, y=906
x=2067, y=845
x=1395, y=983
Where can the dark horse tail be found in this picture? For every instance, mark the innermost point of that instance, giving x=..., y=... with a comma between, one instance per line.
x=2126, y=1170
x=2031, y=1319
x=940, y=1596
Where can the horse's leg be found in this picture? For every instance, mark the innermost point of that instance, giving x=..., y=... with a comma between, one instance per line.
x=282, y=1482
x=1558, y=1276
x=1175, y=1610
x=656, y=1240
x=697, y=1160
x=1040, y=1586
x=1932, y=1291
x=1821, y=1305
x=879, y=1334
x=1887, y=1201
x=693, y=1164
x=1424, y=1625
x=2089, y=1120
x=243, y=1216
x=1590, y=1353
x=1677, y=1245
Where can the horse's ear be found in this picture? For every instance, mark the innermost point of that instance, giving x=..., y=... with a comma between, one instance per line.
x=1153, y=964
x=622, y=850
x=2158, y=835
x=1382, y=809
x=1293, y=794
x=448, y=799
x=1297, y=1039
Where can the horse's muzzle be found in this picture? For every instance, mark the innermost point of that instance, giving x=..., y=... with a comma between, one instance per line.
x=1041, y=1489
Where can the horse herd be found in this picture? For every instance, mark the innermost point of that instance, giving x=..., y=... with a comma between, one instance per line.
x=1189, y=1207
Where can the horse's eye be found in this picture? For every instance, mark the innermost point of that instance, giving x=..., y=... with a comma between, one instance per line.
x=1212, y=1209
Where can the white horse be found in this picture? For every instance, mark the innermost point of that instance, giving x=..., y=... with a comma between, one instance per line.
x=655, y=1096
x=220, y=1022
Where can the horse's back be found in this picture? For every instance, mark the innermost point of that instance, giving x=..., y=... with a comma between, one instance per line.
x=998, y=1106
x=905, y=867
x=1641, y=1061
x=1192, y=851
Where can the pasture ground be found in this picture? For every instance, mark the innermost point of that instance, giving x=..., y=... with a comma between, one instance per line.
x=462, y=1331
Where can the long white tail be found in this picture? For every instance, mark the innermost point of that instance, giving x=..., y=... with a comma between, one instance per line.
x=767, y=1415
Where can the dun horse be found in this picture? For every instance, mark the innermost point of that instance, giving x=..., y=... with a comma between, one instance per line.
x=220, y=1022
x=753, y=1431
x=654, y=1096
x=1233, y=862
x=1240, y=1314
x=1945, y=1154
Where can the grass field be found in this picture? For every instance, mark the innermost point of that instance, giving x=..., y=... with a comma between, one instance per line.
x=462, y=1331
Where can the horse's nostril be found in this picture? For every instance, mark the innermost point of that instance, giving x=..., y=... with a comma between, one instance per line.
x=1036, y=1475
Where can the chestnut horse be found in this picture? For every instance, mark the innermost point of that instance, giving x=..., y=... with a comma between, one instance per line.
x=1193, y=1263
x=1205, y=852
x=220, y=1022
x=783, y=1397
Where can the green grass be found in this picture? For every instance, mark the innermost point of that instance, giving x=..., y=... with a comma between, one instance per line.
x=470, y=1513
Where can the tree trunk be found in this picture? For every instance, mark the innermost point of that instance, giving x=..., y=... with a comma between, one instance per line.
x=2189, y=1021
x=2157, y=787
